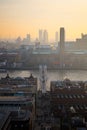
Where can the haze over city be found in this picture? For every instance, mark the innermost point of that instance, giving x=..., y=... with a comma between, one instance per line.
x=19, y=17
x=43, y=64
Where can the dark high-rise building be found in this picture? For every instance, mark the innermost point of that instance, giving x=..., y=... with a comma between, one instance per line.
x=62, y=38
x=62, y=46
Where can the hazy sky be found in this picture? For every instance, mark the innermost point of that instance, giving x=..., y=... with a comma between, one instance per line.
x=19, y=17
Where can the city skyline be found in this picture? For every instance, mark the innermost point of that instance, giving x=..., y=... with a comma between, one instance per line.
x=43, y=37
x=19, y=17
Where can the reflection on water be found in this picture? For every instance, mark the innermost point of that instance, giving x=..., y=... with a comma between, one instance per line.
x=52, y=75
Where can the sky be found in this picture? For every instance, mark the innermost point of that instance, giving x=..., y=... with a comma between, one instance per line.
x=19, y=17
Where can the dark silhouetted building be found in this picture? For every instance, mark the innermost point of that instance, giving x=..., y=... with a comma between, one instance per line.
x=61, y=46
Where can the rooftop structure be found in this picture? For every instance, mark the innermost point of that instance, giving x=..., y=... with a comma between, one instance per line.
x=26, y=84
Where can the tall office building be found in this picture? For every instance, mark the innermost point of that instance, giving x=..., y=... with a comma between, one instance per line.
x=56, y=37
x=40, y=36
x=45, y=37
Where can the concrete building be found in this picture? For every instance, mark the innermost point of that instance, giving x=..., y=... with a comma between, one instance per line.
x=69, y=104
x=18, y=96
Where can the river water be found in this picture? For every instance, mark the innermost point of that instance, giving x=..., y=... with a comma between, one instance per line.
x=51, y=74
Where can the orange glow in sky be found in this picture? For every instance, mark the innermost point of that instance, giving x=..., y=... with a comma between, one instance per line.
x=19, y=17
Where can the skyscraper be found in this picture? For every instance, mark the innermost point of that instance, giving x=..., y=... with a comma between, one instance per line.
x=40, y=36
x=45, y=37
